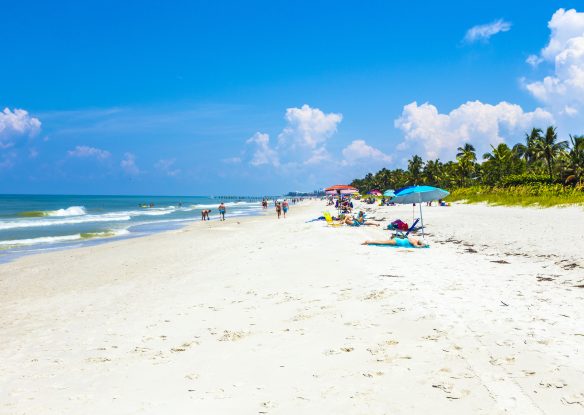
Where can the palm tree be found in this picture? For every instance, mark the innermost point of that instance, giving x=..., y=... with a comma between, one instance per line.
x=432, y=172
x=527, y=151
x=467, y=152
x=415, y=168
x=466, y=157
x=548, y=147
x=498, y=161
x=577, y=156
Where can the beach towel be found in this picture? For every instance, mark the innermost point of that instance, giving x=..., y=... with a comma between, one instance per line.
x=398, y=246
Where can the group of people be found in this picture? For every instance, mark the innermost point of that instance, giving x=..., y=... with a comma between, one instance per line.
x=281, y=208
x=394, y=240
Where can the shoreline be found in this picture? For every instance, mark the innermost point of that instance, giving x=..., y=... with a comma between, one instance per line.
x=13, y=253
x=283, y=317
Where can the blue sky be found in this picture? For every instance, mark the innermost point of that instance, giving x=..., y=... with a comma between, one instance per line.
x=266, y=97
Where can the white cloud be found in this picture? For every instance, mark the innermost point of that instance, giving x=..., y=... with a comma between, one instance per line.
x=317, y=156
x=437, y=135
x=14, y=124
x=360, y=151
x=232, y=160
x=128, y=164
x=86, y=151
x=564, y=90
x=485, y=31
x=308, y=127
x=302, y=141
x=263, y=153
x=534, y=60
x=165, y=166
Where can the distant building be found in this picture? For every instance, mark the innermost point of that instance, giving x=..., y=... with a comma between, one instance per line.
x=306, y=194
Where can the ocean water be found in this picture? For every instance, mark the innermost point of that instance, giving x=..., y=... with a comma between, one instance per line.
x=35, y=223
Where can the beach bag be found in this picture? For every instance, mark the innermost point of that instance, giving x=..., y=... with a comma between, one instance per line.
x=400, y=225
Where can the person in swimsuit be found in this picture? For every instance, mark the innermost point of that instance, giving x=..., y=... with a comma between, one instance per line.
x=278, y=209
x=410, y=242
x=357, y=221
x=285, y=207
x=222, y=211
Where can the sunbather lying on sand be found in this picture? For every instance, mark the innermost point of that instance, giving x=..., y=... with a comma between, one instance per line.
x=410, y=242
x=357, y=221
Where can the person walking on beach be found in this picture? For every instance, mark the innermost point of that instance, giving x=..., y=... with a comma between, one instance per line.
x=285, y=207
x=222, y=211
x=278, y=209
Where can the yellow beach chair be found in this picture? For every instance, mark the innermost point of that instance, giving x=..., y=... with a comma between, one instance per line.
x=329, y=219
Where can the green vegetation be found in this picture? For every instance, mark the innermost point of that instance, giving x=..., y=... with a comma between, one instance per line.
x=543, y=170
x=544, y=195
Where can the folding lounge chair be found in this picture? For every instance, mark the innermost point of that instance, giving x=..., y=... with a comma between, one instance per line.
x=402, y=234
x=329, y=219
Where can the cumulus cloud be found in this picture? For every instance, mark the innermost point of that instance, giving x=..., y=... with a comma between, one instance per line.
x=360, y=151
x=86, y=152
x=263, y=153
x=317, y=156
x=308, y=127
x=301, y=142
x=564, y=90
x=485, y=31
x=166, y=166
x=15, y=124
x=129, y=166
x=305, y=136
x=437, y=134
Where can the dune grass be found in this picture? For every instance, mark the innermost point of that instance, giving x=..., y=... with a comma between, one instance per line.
x=544, y=195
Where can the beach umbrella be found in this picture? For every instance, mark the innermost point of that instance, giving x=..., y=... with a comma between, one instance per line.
x=389, y=193
x=375, y=192
x=419, y=194
x=339, y=187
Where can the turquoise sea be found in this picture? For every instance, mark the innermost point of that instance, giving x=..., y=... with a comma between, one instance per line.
x=35, y=223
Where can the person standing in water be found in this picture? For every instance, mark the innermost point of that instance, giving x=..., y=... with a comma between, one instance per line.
x=222, y=211
x=285, y=207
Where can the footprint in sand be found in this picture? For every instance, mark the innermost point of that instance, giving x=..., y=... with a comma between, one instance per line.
x=183, y=347
x=232, y=335
x=558, y=384
x=98, y=359
x=450, y=390
x=574, y=399
x=376, y=295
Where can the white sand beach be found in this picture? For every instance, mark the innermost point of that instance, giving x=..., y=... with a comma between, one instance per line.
x=264, y=316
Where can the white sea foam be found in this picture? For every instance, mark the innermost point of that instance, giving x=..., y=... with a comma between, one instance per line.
x=62, y=238
x=70, y=211
x=35, y=223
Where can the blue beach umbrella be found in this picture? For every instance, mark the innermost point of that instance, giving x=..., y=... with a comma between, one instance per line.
x=419, y=194
x=389, y=193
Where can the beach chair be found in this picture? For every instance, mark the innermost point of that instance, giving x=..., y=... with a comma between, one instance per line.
x=329, y=219
x=401, y=234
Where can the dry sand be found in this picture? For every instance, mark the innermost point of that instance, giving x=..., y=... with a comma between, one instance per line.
x=256, y=315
